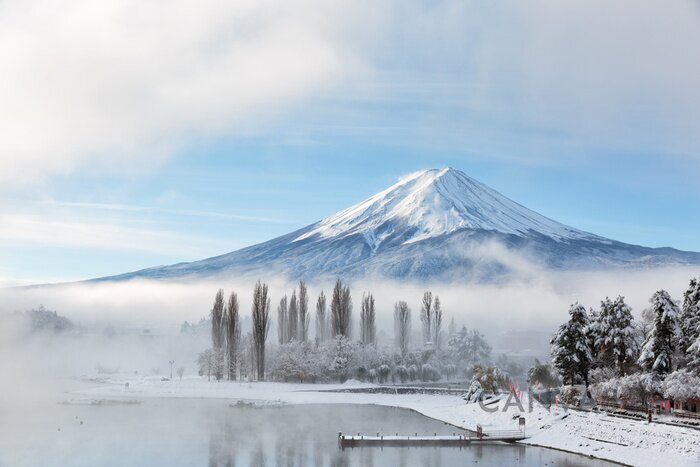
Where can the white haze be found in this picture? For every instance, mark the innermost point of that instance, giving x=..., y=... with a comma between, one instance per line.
x=538, y=303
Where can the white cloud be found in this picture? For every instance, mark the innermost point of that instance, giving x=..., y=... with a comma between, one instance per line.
x=124, y=83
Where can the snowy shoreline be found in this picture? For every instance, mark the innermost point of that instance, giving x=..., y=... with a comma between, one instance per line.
x=628, y=442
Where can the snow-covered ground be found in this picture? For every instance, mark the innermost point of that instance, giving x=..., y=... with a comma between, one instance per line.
x=626, y=441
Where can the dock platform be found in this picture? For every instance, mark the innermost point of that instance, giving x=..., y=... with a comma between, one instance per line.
x=445, y=440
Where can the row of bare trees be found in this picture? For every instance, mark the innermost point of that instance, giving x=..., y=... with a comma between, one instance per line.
x=293, y=317
x=293, y=324
x=431, y=320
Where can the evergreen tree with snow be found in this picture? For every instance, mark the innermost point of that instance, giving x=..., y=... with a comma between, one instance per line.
x=690, y=326
x=615, y=337
x=658, y=352
x=571, y=350
x=690, y=316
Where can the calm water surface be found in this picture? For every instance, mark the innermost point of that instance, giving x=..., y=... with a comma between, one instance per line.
x=201, y=432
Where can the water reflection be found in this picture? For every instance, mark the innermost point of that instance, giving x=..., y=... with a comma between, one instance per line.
x=170, y=432
x=306, y=436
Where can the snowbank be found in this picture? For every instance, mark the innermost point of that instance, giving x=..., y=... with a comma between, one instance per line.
x=595, y=434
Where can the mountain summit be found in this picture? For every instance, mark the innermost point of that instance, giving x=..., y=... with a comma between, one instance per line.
x=432, y=224
x=437, y=202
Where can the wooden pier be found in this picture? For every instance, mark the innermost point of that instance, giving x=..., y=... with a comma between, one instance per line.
x=435, y=440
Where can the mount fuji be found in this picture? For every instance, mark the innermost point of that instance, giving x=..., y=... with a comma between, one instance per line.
x=434, y=224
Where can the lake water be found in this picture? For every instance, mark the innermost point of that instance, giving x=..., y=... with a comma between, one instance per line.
x=201, y=432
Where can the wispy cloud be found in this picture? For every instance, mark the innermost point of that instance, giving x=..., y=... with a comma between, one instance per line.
x=162, y=210
x=57, y=231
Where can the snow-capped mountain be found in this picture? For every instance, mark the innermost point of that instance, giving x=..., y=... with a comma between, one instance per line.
x=433, y=224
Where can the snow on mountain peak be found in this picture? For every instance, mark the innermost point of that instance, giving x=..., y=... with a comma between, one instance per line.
x=436, y=202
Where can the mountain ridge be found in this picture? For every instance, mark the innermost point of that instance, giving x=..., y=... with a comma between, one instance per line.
x=431, y=224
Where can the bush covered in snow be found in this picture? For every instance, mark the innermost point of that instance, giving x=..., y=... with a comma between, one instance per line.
x=636, y=389
x=570, y=395
x=475, y=392
x=681, y=384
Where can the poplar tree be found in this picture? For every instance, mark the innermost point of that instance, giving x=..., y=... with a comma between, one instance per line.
x=232, y=334
x=260, y=314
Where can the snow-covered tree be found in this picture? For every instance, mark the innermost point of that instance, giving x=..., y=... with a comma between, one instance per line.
x=295, y=361
x=690, y=316
x=341, y=352
x=634, y=389
x=468, y=347
x=694, y=357
x=571, y=349
x=681, y=385
x=490, y=378
x=474, y=393
x=368, y=327
x=542, y=375
x=210, y=363
x=261, y=325
x=615, y=337
x=659, y=350
x=402, y=325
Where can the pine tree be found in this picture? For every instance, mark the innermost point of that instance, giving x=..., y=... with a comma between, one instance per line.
x=690, y=316
x=658, y=352
x=571, y=349
x=615, y=337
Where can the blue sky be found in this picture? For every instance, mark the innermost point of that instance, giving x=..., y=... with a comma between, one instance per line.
x=130, y=140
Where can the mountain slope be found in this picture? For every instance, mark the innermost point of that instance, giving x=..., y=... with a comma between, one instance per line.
x=434, y=224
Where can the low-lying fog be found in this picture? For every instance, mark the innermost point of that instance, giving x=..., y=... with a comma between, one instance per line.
x=135, y=325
